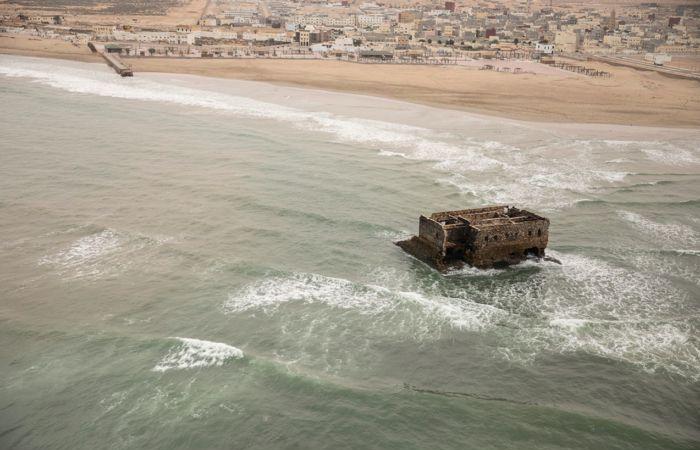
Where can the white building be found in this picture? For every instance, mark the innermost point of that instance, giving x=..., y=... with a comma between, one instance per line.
x=544, y=48
x=367, y=20
x=340, y=21
x=104, y=31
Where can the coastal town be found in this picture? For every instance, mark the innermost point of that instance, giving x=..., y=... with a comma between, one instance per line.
x=483, y=34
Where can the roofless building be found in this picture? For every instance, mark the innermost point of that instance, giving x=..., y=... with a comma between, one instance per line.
x=483, y=237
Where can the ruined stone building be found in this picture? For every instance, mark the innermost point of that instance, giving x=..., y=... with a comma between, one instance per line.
x=481, y=237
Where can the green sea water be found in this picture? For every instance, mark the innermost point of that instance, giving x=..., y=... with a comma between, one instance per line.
x=202, y=264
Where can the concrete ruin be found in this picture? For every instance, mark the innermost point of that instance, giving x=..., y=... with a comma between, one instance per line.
x=487, y=237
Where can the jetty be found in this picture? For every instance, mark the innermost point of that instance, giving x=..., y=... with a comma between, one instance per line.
x=492, y=236
x=112, y=60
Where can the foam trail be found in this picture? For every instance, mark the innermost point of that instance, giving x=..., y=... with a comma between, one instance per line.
x=671, y=233
x=599, y=309
x=421, y=142
x=585, y=305
x=536, y=176
x=196, y=353
x=92, y=256
x=87, y=248
x=269, y=294
x=106, y=85
x=673, y=156
x=103, y=253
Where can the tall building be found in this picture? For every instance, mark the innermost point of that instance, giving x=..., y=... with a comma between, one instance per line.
x=612, y=23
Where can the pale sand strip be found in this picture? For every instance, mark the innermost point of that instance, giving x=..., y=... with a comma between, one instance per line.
x=630, y=97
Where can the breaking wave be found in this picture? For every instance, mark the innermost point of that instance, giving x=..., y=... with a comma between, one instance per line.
x=552, y=176
x=103, y=253
x=102, y=83
x=673, y=156
x=585, y=305
x=626, y=315
x=366, y=299
x=671, y=233
x=195, y=353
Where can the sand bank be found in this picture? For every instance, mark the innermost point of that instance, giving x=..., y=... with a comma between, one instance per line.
x=46, y=48
x=631, y=97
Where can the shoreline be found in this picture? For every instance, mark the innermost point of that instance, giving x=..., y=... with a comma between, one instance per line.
x=631, y=97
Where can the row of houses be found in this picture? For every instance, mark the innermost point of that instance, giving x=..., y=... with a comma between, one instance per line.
x=185, y=35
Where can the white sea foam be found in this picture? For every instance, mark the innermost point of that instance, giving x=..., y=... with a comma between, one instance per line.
x=372, y=300
x=393, y=235
x=569, y=324
x=91, y=247
x=83, y=256
x=651, y=346
x=113, y=401
x=671, y=233
x=584, y=305
x=195, y=353
x=658, y=151
x=667, y=263
x=469, y=156
x=672, y=156
x=545, y=191
x=611, y=312
x=592, y=306
x=682, y=251
x=556, y=174
x=595, y=289
x=540, y=177
x=410, y=141
x=100, y=254
x=575, y=180
x=105, y=84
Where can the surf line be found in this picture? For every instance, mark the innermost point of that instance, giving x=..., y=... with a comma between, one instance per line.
x=410, y=387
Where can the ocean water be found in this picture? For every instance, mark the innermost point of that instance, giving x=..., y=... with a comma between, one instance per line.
x=197, y=263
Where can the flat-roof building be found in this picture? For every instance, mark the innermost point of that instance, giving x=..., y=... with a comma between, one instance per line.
x=481, y=237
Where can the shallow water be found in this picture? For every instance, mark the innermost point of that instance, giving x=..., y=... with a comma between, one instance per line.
x=196, y=263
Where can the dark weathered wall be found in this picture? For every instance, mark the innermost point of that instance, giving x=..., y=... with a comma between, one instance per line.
x=506, y=235
x=509, y=243
x=458, y=234
x=432, y=232
x=450, y=241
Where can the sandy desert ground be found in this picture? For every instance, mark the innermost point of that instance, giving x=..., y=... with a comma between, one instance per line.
x=187, y=14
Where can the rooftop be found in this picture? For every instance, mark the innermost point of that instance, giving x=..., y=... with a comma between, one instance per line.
x=489, y=216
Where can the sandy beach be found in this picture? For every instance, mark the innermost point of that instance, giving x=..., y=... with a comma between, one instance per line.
x=630, y=97
x=46, y=48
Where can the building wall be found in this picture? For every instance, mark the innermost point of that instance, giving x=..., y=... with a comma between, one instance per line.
x=508, y=243
x=365, y=20
x=432, y=232
x=566, y=41
x=612, y=40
